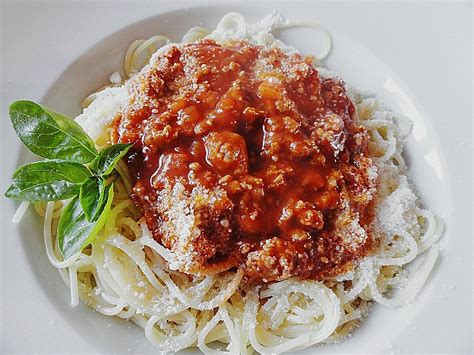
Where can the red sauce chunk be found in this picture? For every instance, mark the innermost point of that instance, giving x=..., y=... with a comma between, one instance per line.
x=245, y=157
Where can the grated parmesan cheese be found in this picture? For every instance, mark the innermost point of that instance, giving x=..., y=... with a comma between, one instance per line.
x=115, y=78
x=97, y=117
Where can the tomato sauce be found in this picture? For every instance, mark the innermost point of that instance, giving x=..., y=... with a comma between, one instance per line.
x=246, y=157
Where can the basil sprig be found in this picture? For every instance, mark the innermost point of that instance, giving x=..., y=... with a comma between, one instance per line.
x=92, y=194
x=75, y=231
x=47, y=181
x=73, y=169
x=50, y=134
x=105, y=162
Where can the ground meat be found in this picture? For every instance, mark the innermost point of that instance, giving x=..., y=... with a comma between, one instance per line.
x=245, y=157
x=227, y=151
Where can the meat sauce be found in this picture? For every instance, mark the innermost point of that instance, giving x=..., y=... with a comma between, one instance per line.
x=245, y=157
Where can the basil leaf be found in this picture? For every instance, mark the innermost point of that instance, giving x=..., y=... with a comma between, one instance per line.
x=74, y=231
x=105, y=162
x=47, y=181
x=50, y=134
x=92, y=196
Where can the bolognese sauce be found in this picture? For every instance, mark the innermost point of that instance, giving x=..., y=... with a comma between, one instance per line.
x=246, y=157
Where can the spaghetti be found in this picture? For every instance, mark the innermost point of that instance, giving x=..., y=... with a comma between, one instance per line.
x=126, y=273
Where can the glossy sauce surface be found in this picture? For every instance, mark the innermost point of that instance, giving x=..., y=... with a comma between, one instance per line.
x=245, y=157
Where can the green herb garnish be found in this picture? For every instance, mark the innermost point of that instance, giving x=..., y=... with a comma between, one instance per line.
x=47, y=181
x=73, y=169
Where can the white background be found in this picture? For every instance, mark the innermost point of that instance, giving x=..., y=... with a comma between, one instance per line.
x=428, y=45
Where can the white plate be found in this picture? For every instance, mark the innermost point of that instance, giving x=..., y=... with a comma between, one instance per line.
x=86, y=42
